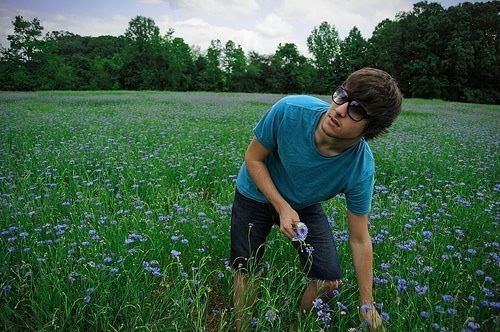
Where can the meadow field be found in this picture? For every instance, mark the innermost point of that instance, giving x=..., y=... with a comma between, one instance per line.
x=115, y=216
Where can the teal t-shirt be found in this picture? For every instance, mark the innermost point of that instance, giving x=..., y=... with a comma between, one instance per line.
x=301, y=174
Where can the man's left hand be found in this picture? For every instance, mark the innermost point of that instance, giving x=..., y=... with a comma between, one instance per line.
x=370, y=315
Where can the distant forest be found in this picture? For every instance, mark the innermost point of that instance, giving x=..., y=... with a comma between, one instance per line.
x=450, y=54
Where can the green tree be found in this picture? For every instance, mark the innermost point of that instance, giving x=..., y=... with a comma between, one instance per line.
x=180, y=64
x=213, y=76
x=259, y=73
x=292, y=72
x=198, y=75
x=144, y=62
x=324, y=45
x=422, y=48
x=383, y=49
x=234, y=65
x=24, y=58
x=353, y=52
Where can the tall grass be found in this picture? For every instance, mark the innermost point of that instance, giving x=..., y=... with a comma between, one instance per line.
x=115, y=215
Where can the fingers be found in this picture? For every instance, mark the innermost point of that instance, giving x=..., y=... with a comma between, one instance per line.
x=287, y=229
x=287, y=220
x=373, y=319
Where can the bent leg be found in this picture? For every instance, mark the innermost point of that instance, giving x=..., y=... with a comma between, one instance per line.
x=318, y=288
x=245, y=292
x=251, y=222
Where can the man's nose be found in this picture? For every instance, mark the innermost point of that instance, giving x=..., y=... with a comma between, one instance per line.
x=341, y=110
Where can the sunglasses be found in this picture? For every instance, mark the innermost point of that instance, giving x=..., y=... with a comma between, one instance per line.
x=355, y=110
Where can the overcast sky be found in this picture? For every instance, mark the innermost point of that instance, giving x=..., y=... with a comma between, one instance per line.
x=258, y=25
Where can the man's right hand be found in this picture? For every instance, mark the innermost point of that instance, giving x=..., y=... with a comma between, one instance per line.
x=288, y=217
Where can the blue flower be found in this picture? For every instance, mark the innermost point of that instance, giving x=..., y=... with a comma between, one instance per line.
x=471, y=251
x=271, y=315
x=385, y=316
x=366, y=307
x=341, y=306
x=421, y=290
x=301, y=231
x=495, y=305
x=87, y=299
x=318, y=303
x=309, y=249
x=175, y=253
x=7, y=288
x=447, y=298
x=401, y=284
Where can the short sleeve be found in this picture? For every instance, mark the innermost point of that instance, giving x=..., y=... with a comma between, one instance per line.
x=266, y=130
x=359, y=199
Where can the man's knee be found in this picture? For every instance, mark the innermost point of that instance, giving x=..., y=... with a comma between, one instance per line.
x=329, y=286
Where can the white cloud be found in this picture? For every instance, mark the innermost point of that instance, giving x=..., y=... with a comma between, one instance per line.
x=228, y=9
x=87, y=26
x=78, y=24
x=151, y=2
x=274, y=26
x=257, y=25
x=365, y=14
x=197, y=31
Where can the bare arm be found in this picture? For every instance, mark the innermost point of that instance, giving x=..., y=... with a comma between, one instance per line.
x=362, y=256
x=254, y=160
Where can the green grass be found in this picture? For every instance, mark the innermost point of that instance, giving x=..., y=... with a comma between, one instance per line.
x=97, y=189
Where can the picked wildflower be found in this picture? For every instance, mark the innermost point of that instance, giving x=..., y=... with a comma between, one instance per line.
x=309, y=249
x=301, y=231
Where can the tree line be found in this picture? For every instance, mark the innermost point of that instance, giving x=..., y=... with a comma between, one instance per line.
x=451, y=54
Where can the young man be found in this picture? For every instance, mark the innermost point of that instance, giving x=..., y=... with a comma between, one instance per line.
x=304, y=152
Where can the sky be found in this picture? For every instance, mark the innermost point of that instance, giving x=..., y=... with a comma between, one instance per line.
x=256, y=25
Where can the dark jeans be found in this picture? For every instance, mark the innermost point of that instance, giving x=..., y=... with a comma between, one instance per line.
x=251, y=222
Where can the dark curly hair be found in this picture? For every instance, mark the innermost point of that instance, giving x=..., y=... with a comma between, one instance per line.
x=378, y=92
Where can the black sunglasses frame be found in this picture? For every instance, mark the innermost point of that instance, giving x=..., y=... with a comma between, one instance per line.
x=350, y=102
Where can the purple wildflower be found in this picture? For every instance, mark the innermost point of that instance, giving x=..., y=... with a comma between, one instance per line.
x=271, y=315
x=175, y=253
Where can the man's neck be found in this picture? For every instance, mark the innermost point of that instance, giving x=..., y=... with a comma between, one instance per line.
x=332, y=146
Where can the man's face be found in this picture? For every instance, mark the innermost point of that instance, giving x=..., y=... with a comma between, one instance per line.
x=336, y=123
